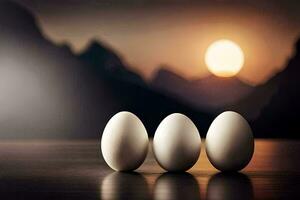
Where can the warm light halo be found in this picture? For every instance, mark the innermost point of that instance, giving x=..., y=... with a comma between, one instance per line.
x=224, y=58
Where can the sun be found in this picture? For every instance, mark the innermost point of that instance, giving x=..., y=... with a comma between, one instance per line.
x=224, y=58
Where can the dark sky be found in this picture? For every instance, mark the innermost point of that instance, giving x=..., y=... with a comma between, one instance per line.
x=177, y=32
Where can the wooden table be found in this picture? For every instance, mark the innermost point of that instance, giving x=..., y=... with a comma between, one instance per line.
x=61, y=169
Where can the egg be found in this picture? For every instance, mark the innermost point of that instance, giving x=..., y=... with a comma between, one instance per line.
x=229, y=142
x=176, y=143
x=124, y=142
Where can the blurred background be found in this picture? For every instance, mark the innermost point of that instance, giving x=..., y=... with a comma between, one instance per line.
x=66, y=66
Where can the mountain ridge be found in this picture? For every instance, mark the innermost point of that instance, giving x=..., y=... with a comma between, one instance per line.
x=210, y=92
x=280, y=115
x=49, y=92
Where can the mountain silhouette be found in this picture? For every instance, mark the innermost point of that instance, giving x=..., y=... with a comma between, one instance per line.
x=252, y=104
x=210, y=93
x=279, y=118
x=45, y=90
x=107, y=63
x=133, y=94
x=48, y=92
x=14, y=17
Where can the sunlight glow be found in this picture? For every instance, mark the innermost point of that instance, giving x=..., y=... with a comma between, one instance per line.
x=224, y=58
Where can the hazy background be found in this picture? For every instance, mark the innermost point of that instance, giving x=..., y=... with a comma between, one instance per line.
x=66, y=67
x=177, y=32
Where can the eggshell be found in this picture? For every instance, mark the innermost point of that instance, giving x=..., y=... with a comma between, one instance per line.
x=176, y=143
x=229, y=142
x=124, y=142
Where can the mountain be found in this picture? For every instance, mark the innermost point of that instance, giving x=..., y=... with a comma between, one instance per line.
x=134, y=94
x=210, y=93
x=252, y=104
x=280, y=117
x=108, y=64
x=49, y=92
x=45, y=90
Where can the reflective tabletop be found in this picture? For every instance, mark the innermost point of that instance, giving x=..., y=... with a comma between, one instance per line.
x=61, y=169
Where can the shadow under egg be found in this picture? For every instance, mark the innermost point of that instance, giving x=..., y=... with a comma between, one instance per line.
x=230, y=186
x=173, y=186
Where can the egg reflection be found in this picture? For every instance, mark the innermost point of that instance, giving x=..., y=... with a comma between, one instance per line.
x=231, y=186
x=120, y=185
x=176, y=186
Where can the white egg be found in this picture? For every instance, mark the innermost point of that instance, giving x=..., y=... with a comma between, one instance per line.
x=176, y=143
x=124, y=142
x=229, y=142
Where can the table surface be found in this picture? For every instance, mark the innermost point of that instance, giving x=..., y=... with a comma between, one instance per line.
x=52, y=169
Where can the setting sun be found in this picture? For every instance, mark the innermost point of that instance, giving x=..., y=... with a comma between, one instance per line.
x=224, y=58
